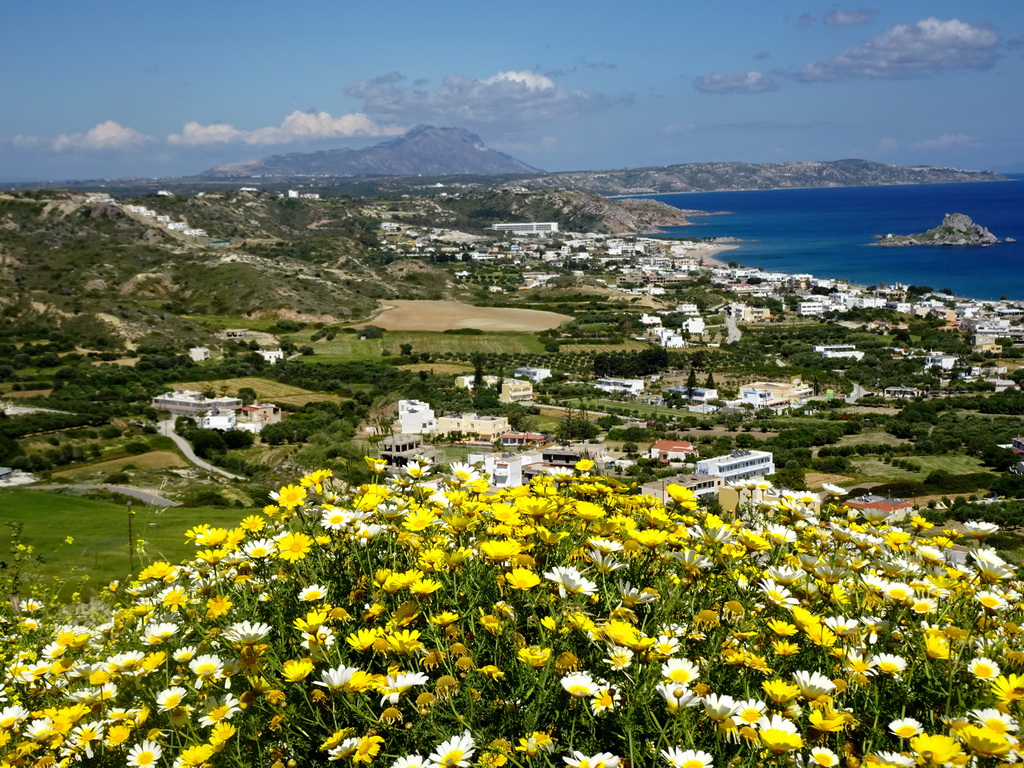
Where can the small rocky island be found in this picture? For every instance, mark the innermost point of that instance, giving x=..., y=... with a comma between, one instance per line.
x=956, y=229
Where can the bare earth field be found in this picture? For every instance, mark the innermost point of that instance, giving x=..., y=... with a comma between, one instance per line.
x=265, y=389
x=416, y=315
x=440, y=368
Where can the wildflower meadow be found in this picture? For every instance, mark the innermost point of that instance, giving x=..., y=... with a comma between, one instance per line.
x=424, y=621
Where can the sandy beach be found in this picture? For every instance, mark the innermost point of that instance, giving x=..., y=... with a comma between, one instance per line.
x=711, y=255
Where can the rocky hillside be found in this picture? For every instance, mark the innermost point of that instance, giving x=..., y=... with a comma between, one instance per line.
x=127, y=277
x=573, y=210
x=710, y=177
x=956, y=229
x=421, y=150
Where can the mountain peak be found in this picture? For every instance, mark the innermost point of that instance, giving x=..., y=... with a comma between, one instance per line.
x=423, y=149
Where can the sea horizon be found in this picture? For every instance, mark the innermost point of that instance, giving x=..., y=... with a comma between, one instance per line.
x=830, y=232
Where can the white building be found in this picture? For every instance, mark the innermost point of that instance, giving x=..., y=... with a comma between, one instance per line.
x=810, y=308
x=741, y=464
x=272, y=356
x=416, y=418
x=198, y=354
x=697, y=394
x=620, y=386
x=830, y=351
x=527, y=227
x=669, y=338
x=536, y=375
x=504, y=469
x=940, y=361
x=694, y=326
x=215, y=418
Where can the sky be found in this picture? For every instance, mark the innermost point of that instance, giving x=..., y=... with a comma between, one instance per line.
x=117, y=89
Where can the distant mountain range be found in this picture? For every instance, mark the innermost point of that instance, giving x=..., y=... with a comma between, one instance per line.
x=715, y=177
x=423, y=150
x=433, y=153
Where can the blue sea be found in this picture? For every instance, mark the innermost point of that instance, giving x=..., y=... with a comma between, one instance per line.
x=830, y=233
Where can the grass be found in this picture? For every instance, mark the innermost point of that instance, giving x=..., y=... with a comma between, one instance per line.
x=308, y=398
x=872, y=438
x=151, y=460
x=626, y=346
x=345, y=347
x=872, y=468
x=28, y=393
x=236, y=321
x=440, y=368
x=99, y=530
x=264, y=388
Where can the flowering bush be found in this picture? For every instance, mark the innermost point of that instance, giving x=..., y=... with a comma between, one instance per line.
x=568, y=621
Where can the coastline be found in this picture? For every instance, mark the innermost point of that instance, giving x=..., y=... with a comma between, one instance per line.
x=1011, y=177
x=827, y=232
x=710, y=255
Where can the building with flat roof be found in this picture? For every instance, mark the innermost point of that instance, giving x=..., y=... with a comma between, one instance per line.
x=620, y=386
x=488, y=427
x=701, y=485
x=416, y=418
x=185, y=402
x=527, y=227
x=741, y=464
x=510, y=390
x=399, y=450
x=536, y=375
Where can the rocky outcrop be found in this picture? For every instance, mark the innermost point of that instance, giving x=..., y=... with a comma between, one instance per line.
x=956, y=229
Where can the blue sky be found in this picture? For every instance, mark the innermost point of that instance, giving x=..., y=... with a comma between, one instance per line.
x=164, y=89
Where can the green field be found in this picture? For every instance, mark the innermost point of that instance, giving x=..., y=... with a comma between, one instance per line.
x=346, y=347
x=99, y=530
x=151, y=460
x=872, y=468
x=626, y=346
x=265, y=390
x=236, y=321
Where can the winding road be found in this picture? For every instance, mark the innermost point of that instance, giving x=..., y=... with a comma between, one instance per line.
x=167, y=428
x=733, y=331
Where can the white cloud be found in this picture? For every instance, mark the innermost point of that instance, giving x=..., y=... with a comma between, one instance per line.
x=298, y=126
x=904, y=51
x=510, y=98
x=840, y=18
x=108, y=135
x=735, y=82
x=945, y=141
x=887, y=145
x=532, y=80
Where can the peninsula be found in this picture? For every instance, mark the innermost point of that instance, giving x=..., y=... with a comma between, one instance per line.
x=956, y=229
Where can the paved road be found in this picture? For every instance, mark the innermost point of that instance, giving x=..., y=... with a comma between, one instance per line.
x=146, y=497
x=857, y=394
x=733, y=331
x=167, y=428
